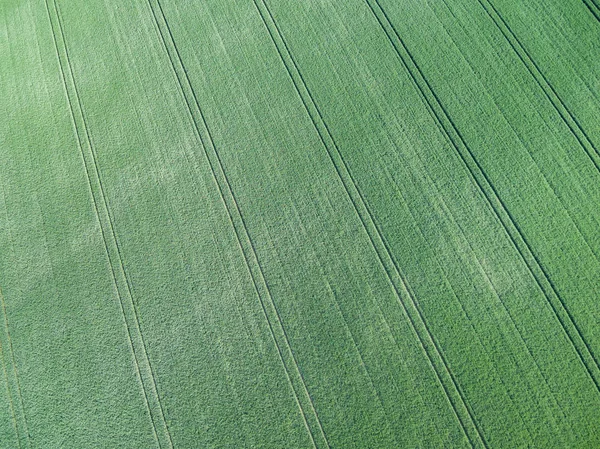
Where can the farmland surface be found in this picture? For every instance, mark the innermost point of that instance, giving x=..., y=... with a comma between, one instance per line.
x=300, y=224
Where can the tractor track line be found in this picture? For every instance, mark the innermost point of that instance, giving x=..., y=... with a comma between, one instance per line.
x=286, y=355
x=428, y=343
x=480, y=178
x=136, y=340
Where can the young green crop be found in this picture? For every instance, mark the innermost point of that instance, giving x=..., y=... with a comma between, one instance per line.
x=263, y=223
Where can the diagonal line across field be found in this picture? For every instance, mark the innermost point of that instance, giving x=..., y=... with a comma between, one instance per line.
x=569, y=119
x=299, y=224
x=113, y=253
x=10, y=398
x=393, y=272
x=272, y=316
x=18, y=410
x=511, y=227
x=593, y=8
x=550, y=92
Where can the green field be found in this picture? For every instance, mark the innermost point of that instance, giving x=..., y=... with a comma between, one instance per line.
x=300, y=224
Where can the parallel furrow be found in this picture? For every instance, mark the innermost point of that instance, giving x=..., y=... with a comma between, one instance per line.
x=393, y=272
x=593, y=8
x=113, y=252
x=570, y=120
x=479, y=177
x=12, y=377
x=270, y=311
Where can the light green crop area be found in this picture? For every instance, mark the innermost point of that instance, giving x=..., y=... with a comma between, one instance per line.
x=300, y=224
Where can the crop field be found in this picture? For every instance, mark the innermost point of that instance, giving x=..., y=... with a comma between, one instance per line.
x=300, y=224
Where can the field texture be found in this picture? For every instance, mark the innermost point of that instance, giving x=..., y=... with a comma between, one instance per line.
x=300, y=224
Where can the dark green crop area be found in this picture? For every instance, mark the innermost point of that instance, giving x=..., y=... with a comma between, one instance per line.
x=283, y=224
